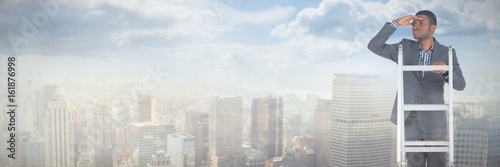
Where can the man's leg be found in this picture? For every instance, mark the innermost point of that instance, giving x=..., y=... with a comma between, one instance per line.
x=413, y=133
x=415, y=159
x=436, y=159
x=434, y=126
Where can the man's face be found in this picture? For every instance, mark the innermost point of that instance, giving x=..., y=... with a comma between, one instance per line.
x=422, y=29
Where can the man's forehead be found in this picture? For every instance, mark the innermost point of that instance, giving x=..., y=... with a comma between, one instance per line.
x=424, y=17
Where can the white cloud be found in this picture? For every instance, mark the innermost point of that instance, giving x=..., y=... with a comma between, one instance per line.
x=495, y=43
x=332, y=18
x=97, y=12
x=149, y=8
x=194, y=10
x=260, y=17
x=177, y=21
x=339, y=29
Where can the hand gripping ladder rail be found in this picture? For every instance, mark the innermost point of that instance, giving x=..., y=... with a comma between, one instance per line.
x=423, y=146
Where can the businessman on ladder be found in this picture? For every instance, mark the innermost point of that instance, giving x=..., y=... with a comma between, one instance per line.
x=421, y=87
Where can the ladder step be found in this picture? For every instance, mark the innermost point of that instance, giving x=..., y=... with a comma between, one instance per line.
x=427, y=143
x=425, y=107
x=426, y=149
x=424, y=68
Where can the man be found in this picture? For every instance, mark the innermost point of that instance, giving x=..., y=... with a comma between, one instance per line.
x=421, y=87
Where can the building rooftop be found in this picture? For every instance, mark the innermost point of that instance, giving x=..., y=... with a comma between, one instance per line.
x=252, y=153
x=181, y=135
x=227, y=97
x=309, y=151
x=142, y=124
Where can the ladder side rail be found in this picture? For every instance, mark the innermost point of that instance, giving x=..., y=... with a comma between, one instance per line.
x=400, y=112
x=451, y=136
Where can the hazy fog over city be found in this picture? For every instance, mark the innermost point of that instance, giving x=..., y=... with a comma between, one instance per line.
x=176, y=60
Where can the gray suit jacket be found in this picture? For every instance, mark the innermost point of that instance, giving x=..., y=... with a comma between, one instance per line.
x=428, y=90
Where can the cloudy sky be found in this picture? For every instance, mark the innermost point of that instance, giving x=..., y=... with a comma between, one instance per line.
x=277, y=44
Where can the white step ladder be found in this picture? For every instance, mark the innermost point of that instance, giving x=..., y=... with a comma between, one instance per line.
x=423, y=146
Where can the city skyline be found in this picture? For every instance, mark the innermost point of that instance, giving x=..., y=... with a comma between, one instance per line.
x=93, y=138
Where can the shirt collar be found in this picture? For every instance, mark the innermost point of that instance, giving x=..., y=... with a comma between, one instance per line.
x=430, y=50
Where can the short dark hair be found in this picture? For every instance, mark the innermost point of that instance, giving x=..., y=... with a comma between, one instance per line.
x=430, y=16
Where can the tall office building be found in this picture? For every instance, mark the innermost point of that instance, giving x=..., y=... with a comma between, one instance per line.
x=20, y=149
x=288, y=135
x=42, y=105
x=197, y=126
x=494, y=141
x=102, y=123
x=181, y=148
x=267, y=126
x=146, y=138
x=321, y=132
x=190, y=122
x=471, y=142
x=296, y=123
x=477, y=132
x=31, y=151
x=26, y=114
x=59, y=132
x=103, y=135
x=146, y=108
x=225, y=132
x=361, y=132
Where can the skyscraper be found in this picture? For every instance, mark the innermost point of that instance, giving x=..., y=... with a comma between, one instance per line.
x=477, y=132
x=102, y=124
x=494, y=141
x=59, y=133
x=197, y=126
x=267, y=126
x=225, y=132
x=471, y=142
x=322, y=121
x=146, y=106
x=32, y=151
x=181, y=148
x=26, y=114
x=43, y=104
x=296, y=123
x=146, y=138
x=102, y=134
x=361, y=133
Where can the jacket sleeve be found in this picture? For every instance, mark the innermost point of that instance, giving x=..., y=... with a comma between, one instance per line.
x=378, y=44
x=458, y=78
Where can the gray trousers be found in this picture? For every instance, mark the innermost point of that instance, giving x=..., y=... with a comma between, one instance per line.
x=426, y=126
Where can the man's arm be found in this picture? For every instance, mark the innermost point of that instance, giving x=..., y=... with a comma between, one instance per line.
x=458, y=78
x=378, y=44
